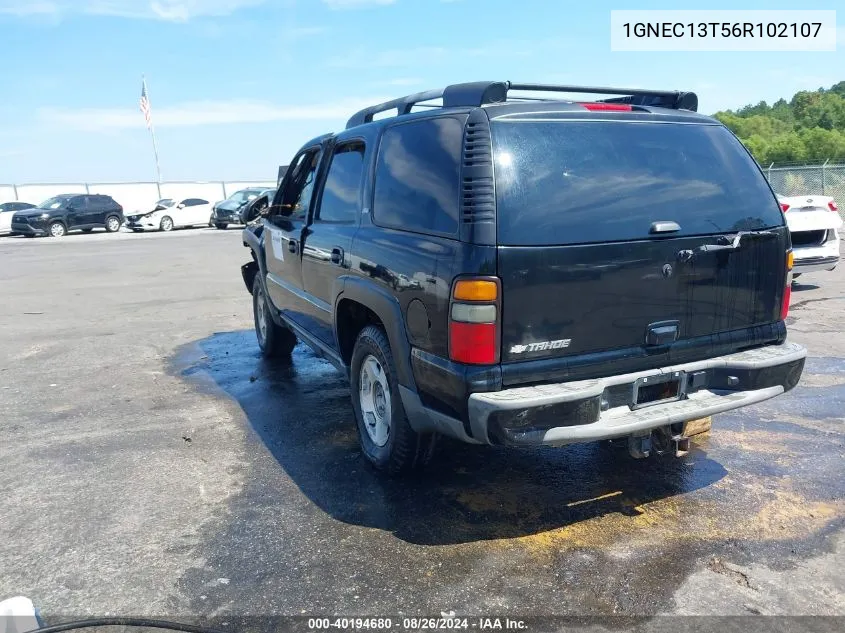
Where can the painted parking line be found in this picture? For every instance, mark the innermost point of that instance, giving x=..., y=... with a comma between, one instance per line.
x=123, y=234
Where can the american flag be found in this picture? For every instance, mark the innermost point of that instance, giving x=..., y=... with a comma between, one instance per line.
x=145, y=105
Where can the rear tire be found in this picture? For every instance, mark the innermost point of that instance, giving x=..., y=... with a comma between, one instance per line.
x=112, y=224
x=387, y=439
x=274, y=340
x=57, y=229
x=166, y=223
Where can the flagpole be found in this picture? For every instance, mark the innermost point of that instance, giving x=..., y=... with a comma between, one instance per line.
x=153, y=135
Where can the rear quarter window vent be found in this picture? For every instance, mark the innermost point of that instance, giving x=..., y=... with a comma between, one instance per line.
x=477, y=150
x=478, y=192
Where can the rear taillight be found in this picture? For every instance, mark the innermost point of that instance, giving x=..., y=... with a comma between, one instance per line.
x=474, y=321
x=787, y=291
x=608, y=107
x=832, y=205
x=784, y=207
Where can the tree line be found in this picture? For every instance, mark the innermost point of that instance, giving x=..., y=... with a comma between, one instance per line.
x=809, y=128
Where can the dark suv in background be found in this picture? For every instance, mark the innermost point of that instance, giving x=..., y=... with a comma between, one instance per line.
x=522, y=271
x=241, y=206
x=69, y=212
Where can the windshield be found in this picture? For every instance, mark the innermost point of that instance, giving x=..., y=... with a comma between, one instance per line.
x=570, y=182
x=54, y=202
x=244, y=195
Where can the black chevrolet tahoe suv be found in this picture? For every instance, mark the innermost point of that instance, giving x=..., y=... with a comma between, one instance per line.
x=529, y=271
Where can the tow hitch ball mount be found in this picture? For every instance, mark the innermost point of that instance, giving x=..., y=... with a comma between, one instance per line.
x=662, y=441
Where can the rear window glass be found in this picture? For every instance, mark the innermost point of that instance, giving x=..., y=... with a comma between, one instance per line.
x=417, y=185
x=568, y=182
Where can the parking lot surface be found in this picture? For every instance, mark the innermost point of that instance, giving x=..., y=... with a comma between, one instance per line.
x=153, y=464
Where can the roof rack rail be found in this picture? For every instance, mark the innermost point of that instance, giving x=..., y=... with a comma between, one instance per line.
x=479, y=93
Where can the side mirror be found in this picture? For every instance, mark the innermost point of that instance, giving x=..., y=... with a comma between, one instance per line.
x=181, y=205
x=70, y=207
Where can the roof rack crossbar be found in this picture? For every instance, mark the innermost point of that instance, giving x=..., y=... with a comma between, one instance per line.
x=599, y=90
x=479, y=93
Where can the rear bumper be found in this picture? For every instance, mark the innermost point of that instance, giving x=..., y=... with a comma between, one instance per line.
x=815, y=258
x=602, y=408
x=813, y=264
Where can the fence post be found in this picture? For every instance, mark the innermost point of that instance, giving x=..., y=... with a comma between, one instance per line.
x=824, y=182
x=15, y=189
x=158, y=189
x=87, y=190
x=769, y=172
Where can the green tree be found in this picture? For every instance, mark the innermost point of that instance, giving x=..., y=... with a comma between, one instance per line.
x=809, y=127
x=823, y=144
x=786, y=148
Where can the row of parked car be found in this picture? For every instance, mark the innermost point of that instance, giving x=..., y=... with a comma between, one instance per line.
x=85, y=212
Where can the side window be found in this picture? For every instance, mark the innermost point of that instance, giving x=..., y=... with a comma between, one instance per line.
x=296, y=198
x=195, y=202
x=278, y=197
x=80, y=203
x=417, y=183
x=341, y=197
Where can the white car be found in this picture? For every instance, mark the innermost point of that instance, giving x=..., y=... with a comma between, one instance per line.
x=7, y=210
x=171, y=214
x=814, y=224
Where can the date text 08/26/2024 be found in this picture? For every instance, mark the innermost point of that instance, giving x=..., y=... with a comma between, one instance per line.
x=417, y=624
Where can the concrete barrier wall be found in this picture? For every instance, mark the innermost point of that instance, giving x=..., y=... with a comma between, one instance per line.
x=133, y=196
x=7, y=193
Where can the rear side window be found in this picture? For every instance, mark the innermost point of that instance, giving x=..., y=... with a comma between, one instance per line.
x=417, y=179
x=99, y=203
x=571, y=182
x=340, y=201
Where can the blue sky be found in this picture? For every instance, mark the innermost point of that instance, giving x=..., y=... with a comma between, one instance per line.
x=237, y=85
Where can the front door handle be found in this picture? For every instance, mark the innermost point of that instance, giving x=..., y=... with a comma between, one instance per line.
x=337, y=255
x=292, y=246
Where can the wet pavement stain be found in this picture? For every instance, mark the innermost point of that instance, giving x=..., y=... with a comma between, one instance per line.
x=495, y=525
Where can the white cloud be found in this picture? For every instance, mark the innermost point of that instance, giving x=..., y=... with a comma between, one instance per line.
x=397, y=82
x=356, y=4
x=359, y=58
x=402, y=81
x=168, y=10
x=421, y=55
x=199, y=113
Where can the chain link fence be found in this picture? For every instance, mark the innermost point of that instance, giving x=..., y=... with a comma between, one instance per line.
x=801, y=180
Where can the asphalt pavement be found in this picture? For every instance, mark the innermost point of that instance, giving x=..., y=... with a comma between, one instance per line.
x=152, y=464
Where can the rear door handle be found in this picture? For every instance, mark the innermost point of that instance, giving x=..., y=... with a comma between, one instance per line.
x=664, y=227
x=292, y=246
x=337, y=255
